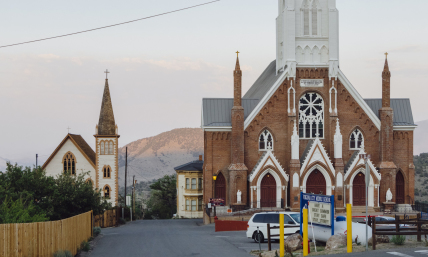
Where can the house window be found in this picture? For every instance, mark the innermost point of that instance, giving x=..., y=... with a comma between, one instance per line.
x=193, y=183
x=311, y=116
x=187, y=205
x=107, y=191
x=193, y=205
x=107, y=172
x=187, y=183
x=266, y=140
x=356, y=140
x=69, y=162
x=200, y=204
x=199, y=183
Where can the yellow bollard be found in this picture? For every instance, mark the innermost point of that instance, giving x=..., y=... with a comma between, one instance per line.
x=281, y=235
x=349, y=227
x=305, y=232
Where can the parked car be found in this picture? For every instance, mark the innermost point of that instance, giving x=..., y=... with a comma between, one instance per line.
x=262, y=219
x=387, y=218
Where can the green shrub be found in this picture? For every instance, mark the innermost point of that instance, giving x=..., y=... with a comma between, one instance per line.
x=97, y=231
x=122, y=221
x=62, y=253
x=85, y=246
x=398, y=240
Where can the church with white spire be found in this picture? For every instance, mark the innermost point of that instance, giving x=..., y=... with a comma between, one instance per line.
x=302, y=126
x=74, y=154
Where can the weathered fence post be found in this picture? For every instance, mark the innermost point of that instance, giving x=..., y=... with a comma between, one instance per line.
x=419, y=227
x=397, y=223
x=268, y=235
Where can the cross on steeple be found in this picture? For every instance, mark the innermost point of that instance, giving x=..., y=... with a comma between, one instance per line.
x=106, y=72
x=237, y=53
x=386, y=54
x=69, y=130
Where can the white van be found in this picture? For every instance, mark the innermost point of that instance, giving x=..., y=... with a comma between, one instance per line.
x=262, y=219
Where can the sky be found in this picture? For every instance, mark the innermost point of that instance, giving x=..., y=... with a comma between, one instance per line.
x=161, y=68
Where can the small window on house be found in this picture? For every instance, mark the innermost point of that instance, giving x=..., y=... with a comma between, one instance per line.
x=193, y=183
x=199, y=183
x=200, y=204
x=187, y=183
x=107, y=192
x=356, y=140
x=266, y=140
x=187, y=205
x=193, y=205
x=69, y=162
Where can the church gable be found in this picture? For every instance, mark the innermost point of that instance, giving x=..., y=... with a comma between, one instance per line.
x=266, y=160
x=316, y=153
x=357, y=162
x=69, y=147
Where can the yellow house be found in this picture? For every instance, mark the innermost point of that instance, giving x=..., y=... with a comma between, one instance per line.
x=189, y=189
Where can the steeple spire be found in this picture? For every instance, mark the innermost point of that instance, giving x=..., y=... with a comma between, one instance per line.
x=237, y=81
x=386, y=86
x=106, y=123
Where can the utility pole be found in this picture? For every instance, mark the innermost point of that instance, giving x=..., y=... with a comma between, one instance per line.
x=133, y=190
x=126, y=168
x=36, y=159
x=135, y=196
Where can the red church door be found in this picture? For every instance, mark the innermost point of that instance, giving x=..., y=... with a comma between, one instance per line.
x=268, y=193
x=316, y=183
x=358, y=190
x=399, y=188
x=220, y=187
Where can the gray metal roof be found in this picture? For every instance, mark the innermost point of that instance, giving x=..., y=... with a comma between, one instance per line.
x=263, y=83
x=402, y=110
x=217, y=112
x=306, y=151
x=351, y=160
x=191, y=166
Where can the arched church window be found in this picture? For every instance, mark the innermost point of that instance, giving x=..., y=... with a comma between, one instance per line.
x=102, y=147
x=311, y=116
x=310, y=18
x=107, y=191
x=314, y=19
x=107, y=172
x=266, y=140
x=356, y=140
x=110, y=147
x=69, y=162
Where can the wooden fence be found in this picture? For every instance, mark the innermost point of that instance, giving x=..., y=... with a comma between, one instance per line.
x=45, y=238
x=108, y=219
x=414, y=228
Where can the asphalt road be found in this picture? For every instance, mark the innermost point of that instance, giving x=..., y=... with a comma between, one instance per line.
x=167, y=238
x=186, y=237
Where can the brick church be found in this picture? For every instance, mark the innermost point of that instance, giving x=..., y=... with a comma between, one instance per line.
x=302, y=125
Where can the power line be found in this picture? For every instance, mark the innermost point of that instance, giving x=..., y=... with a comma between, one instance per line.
x=117, y=24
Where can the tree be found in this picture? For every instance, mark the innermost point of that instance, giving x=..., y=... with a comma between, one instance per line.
x=73, y=196
x=20, y=211
x=162, y=202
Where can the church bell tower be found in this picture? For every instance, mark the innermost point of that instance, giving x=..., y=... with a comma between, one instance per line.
x=107, y=141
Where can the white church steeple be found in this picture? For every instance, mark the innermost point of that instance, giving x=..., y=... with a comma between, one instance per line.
x=307, y=35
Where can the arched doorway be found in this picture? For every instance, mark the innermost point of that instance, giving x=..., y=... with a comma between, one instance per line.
x=268, y=191
x=316, y=183
x=399, y=188
x=358, y=190
x=220, y=187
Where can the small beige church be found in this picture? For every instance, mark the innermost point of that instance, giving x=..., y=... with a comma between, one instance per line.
x=75, y=155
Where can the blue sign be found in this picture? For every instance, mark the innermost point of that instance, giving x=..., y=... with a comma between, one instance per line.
x=320, y=210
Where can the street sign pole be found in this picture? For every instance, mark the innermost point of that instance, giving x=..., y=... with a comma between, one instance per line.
x=366, y=158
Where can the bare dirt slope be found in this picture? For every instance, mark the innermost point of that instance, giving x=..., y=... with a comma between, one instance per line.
x=153, y=157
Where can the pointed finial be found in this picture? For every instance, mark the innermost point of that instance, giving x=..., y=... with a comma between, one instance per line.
x=106, y=72
x=386, y=55
x=237, y=53
x=237, y=66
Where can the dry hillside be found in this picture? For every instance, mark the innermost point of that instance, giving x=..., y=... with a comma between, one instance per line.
x=153, y=157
